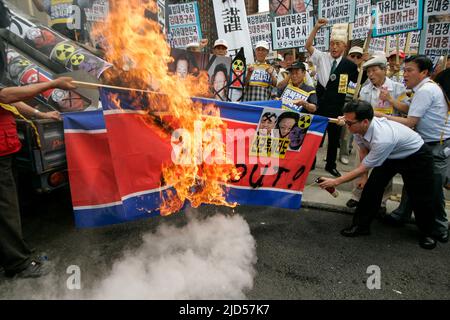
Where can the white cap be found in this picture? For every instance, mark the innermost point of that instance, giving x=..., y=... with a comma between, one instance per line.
x=356, y=49
x=220, y=42
x=262, y=44
x=375, y=61
x=193, y=45
x=339, y=32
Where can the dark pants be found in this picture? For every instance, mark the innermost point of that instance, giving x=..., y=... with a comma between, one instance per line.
x=334, y=134
x=14, y=253
x=417, y=173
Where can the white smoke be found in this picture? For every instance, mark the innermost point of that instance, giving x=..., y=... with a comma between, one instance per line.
x=208, y=258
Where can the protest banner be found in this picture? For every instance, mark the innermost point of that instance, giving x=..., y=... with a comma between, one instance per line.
x=291, y=31
x=393, y=17
x=260, y=28
x=377, y=45
x=98, y=11
x=162, y=14
x=232, y=26
x=322, y=39
x=434, y=39
x=115, y=158
x=184, y=24
x=361, y=24
x=403, y=37
x=337, y=11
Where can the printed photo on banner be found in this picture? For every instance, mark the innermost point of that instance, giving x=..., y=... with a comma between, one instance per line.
x=184, y=63
x=218, y=72
x=278, y=132
x=434, y=39
x=337, y=11
x=280, y=7
x=392, y=17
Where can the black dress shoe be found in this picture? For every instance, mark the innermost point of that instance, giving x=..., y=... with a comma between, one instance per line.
x=34, y=269
x=443, y=237
x=427, y=243
x=355, y=231
x=334, y=172
x=351, y=203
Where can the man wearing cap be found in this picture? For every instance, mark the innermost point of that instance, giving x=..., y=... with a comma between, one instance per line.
x=428, y=114
x=261, y=77
x=387, y=97
x=334, y=72
x=396, y=69
x=293, y=88
x=220, y=48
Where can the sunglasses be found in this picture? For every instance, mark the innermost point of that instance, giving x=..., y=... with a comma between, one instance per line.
x=356, y=56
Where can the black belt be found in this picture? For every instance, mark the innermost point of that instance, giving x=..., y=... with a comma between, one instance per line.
x=433, y=143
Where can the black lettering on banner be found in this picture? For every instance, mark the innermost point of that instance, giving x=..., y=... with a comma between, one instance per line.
x=258, y=182
x=281, y=170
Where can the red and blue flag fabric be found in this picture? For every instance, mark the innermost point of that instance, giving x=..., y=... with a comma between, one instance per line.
x=115, y=157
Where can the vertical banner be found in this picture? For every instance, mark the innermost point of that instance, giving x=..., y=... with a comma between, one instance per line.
x=360, y=26
x=434, y=40
x=392, y=17
x=337, y=11
x=232, y=26
x=260, y=28
x=184, y=24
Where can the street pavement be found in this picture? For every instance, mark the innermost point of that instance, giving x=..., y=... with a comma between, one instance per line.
x=299, y=255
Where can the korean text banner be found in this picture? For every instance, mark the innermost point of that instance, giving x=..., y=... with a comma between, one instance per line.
x=115, y=157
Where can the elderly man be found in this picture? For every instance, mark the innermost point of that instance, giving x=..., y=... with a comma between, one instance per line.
x=293, y=88
x=220, y=48
x=261, y=77
x=388, y=148
x=395, y=71
x=385, y=96
x=334, y=72
x=428, y=114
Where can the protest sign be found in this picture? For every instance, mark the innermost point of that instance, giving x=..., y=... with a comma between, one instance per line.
x=184, y=24
x=322, y=39
x=392, y=17
x=291, y=31
x=260, y=28
x=363, y=13
x=434, y=39
x=337, y=11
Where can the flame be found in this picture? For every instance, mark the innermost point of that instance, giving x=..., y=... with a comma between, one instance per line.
x=140, y=53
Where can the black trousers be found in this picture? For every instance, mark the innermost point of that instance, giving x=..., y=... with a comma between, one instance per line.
x=334, y=134
x=417, y=173
x=14, y=253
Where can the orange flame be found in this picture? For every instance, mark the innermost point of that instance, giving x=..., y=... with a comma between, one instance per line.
x=140, y=54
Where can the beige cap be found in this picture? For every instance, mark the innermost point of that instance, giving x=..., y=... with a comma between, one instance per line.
x=375, y=61
x=193, y=45
x=356, y=49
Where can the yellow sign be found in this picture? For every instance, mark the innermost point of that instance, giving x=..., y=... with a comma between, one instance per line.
x=343, y=80
x=267, y=146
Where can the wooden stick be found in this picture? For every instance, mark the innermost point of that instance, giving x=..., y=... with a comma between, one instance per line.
x=98, y=85
x=365, y=50
x=397, y=46
x=408, y=44
x=444, y=63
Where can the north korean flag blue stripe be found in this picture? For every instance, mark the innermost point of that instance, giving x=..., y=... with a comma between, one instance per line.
x=87, y=120
x=271, y=198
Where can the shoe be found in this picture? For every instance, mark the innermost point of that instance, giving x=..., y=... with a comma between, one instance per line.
x=334, y=172
x=355, y=231
x=388, y=219
x=351, y=203
x=343, y=159
x=427, y=243
x=443, y=237
x=35, y=269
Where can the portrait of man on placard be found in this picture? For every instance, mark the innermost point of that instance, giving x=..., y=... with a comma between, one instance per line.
x=280, y=7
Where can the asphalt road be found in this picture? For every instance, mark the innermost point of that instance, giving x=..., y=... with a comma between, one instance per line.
x=297, y=255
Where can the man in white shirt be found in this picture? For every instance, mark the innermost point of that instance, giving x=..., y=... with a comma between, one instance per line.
x=387, y=148
x=428, y=114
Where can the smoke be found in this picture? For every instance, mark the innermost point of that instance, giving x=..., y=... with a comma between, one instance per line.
x=208, y=258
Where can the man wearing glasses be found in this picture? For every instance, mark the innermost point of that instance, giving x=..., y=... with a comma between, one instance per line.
x=388, y=148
